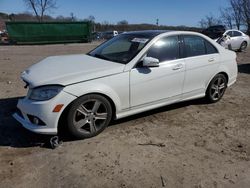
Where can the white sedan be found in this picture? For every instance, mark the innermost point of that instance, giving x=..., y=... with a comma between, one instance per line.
x=239, y=41
x=129, y=74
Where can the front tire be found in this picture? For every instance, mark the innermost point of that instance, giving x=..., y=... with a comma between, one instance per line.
x=88, y=116
x=216, y=88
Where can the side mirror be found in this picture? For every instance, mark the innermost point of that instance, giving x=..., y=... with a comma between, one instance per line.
x=150, y=62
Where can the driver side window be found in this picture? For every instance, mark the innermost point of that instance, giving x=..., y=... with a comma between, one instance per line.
x=165, y=49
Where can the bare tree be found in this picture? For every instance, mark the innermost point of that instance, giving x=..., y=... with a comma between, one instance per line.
x=203, y=23
x=61, y=18
x=40, y=7
x=122, y=25
x=245, y=8
x=236, y=6
x=226, y=16
x=91, y=19
x=208, y=21
x=123, y=22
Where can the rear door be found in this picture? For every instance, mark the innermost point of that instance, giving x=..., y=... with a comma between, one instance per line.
x=236, y=40
x=201, y=59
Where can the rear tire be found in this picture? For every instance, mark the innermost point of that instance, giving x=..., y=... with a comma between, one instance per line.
x=243, y=46
x=216, y=88
x=88, y=116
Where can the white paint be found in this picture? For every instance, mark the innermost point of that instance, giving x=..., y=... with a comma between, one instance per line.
x=133, y=90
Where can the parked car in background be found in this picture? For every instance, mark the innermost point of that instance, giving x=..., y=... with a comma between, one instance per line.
x=4, y=36
x=215, y=31
x=131, y=73
x=96, y=35
x=224, y=41
x=239, y=41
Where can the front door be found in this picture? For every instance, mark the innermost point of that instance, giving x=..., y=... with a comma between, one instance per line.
x=158, y=84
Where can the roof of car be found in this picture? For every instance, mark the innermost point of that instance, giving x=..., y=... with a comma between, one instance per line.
x=234, y=30
x=147, y=33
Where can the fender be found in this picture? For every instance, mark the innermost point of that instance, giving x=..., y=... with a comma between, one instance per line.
x=222, y=69
x=116, y=87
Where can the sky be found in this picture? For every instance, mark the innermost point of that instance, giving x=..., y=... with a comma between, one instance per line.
x=169, y=12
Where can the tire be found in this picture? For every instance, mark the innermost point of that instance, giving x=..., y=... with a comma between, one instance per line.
x=216, y=88
x=243, y=46
x=88, y=116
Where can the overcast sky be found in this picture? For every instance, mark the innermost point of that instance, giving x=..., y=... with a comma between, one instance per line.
x=169, y=12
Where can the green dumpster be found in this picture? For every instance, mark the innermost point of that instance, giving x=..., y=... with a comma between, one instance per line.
x=49, y=32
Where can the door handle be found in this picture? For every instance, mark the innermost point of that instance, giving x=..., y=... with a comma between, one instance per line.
x=211, y=60
x=177, y=67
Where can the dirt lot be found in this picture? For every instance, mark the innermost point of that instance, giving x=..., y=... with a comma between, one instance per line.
x=199, y=145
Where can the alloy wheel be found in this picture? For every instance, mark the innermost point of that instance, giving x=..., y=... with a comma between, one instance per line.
x=90, y=116
x=218, y=88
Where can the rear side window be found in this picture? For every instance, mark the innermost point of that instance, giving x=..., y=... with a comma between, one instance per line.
x=237, y=34
x=210, y=48
x=194, y=46
x=197, y=46
x=165, y=49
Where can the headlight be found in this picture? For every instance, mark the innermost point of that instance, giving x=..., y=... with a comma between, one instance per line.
x=44, y=93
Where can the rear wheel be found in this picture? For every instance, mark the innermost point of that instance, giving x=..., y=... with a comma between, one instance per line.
x=216, y=88
x=243, y=46
x=88, y=116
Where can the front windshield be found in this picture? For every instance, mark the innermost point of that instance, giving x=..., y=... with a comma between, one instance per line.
x=121, y=48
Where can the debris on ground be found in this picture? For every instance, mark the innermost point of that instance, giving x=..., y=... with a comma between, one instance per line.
x=153, y=144
x=54, y=142
x=163, y=182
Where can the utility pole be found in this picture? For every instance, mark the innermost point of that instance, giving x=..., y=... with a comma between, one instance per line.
x=72, y=16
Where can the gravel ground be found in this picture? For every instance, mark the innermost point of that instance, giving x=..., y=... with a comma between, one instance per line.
x=190, y=144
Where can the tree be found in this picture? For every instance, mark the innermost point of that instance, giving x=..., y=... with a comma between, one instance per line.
x=105, y=22
x=245, y=8
x=226, y=16
x=123, y=22
x=40, y=7
x=91, y=19
x=203, y=23
x=236, y=10
x=61, y=18
x=208, y=21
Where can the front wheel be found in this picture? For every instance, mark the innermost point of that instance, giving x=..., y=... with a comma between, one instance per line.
x=88, y=116
x=216, y=88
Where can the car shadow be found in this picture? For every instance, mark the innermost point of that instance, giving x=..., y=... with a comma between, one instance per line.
x=12, y=134
x=160, y=110
x=244, y=68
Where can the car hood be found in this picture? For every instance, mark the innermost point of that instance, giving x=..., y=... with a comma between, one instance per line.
x=69, y=69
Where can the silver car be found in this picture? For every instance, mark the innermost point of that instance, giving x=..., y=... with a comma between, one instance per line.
x=239, y=41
